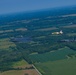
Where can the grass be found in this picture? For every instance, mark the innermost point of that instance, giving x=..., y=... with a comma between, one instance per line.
x=12, y=72
x=41, y=37
x=20, y=72
x=21, y=29
x=70, y=26
x=47, y=29
x=52, y=56
x=6, y=31
x=61, y=67
x=6, y=43
x=71, y=34
x=20, y=63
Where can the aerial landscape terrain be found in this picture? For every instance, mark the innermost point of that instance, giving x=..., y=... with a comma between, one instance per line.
x=38, y=43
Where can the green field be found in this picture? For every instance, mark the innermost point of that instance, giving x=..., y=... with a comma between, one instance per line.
x=13, y=72
x=61, y=67
x=21, y=63
x=52, y=56
x=6, y=43
x=20, y=72
x=71, y=34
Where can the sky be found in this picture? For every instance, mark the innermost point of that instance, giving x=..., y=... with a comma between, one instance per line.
x=11, y=6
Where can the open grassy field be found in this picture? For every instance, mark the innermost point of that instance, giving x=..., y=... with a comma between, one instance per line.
x=68, y=15
x=21, y=64
x=6, y=43
x=47, y=29
x=70, y=26
x=52, y=56
x=71, y=34
x=61, y=67
x=21, y=29
x=6, y=31
x=20, y=72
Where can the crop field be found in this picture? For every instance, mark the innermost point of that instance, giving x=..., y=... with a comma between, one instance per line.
x=47, y=29
x=52, y=56
x=70, y=26
x=6, y=43
x=61, y=67
x=20, y=72
x=21, y=64
x=71, y=34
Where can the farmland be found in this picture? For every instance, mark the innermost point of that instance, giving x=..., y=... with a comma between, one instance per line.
x=21, y=64
x=20, y=68
x=6, y=43
x=28, y=40
x=60, y=67
x=52, y=56
x=20, y=72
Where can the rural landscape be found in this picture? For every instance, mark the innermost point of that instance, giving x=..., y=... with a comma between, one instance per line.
x=38, y=43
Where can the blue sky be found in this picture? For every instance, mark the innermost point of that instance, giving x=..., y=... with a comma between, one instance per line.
x=10, y=6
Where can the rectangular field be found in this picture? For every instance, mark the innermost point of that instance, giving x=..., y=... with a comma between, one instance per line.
x=52, y=56
x=20, y=72
x=61, y=67
x=6, y=43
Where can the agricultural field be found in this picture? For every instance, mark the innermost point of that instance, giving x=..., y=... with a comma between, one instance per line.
x=6, y=43
x=52, y=55
x=21, y=64
x=21, y=68
x=70, y=26
x=47, y=29
x=71, y=34
x=20, y=72
x=59, y=67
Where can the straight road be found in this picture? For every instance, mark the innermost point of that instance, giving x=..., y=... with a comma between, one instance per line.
x=36, y=70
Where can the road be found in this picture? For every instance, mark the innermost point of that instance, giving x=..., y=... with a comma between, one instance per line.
x=36, y=70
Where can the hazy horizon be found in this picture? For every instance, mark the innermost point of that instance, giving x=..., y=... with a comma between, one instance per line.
x=12, y=6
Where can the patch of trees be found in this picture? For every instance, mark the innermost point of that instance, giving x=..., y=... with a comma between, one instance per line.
x=7, y=57
x=19, y=68
x=72, y=45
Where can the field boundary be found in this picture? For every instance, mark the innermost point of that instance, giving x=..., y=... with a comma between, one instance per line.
x=36, y=69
